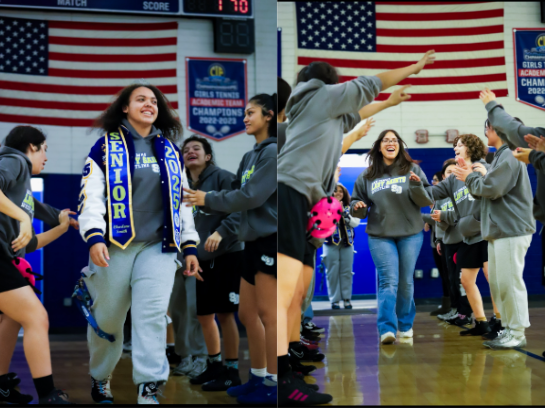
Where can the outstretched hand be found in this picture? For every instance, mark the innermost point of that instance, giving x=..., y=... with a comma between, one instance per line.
x=536, y=143
x=414, y=177
x=194, y=197
x=398, y=96
x=363, y=130
x=428, y=58
x=359, y=205
x=522, y=154
x=462, y=171
x=487, y=95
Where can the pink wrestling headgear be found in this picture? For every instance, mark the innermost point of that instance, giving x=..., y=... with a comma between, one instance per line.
x=324, y=217
x=26, y=270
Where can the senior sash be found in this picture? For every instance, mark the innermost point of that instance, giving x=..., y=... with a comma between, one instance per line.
x=119, y=186
x=172, y=165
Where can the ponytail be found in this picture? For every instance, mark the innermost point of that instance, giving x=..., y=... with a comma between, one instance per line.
x=268, y=103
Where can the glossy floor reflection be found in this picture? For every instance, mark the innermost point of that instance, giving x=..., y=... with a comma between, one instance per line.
x=436, y=367
x=71, y=366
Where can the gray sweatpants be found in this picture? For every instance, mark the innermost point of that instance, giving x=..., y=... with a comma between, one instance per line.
x=505, y=268
x=189, y=340
x=140, y=277
x=338, y=261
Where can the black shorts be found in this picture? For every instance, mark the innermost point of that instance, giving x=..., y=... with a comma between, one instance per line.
x=10, y=277
x=292, y=225
x=218, y=292
x=472, y=256
x=260, y=256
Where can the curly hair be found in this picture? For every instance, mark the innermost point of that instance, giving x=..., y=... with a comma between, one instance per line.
x=346, y=194
x=476, y=149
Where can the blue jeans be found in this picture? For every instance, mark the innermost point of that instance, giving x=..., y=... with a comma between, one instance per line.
x=395, y=259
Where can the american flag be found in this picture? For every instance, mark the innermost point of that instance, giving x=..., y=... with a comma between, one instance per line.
x=365, y=38
x=65, y=73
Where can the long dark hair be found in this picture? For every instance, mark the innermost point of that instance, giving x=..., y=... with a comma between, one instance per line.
x=284, y=92
x=376, y=162
x=267, y=103
x=346, y=195
x=167, y=120
x=21, y=137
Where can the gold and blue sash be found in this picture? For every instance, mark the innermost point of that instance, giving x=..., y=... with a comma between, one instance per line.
x=119, y=187
x=172, y=165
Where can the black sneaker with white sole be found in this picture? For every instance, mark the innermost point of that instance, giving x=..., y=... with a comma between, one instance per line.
x=480, y=329
x=9, y=394
x=311, y=327
x=56, y=397
x=495, y=329
x=302, y=353
x=460, y=320
x=100, y=391
x=213, y=371
x=295, y=392
x=228, y=378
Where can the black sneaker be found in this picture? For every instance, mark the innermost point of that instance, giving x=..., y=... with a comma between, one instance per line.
x=301, y=377
x=56, y=397
x=304, y=354
x=347, y=304
x=8, y=393
x=227, y=379
x=100, y=391
x=310, y=336
x=302, y=369
x=480, y=329
x=335, y=306
x=213, y=371
x=495, y=329
x=173, y=358
x=294, y=392
x=460, y=320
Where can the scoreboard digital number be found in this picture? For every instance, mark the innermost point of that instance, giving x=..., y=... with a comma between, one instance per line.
x=219, y=8
x=234, y=36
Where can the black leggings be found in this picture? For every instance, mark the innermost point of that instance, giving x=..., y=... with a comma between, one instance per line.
x=441, y=263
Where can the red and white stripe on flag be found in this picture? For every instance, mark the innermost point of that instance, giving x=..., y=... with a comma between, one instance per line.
x=88, y=63
x=468, y=38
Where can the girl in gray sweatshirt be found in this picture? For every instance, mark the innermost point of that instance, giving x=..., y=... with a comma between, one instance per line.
x=473, y=252
x=391, y=192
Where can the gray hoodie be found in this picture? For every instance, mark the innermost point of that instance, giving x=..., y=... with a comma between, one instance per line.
x=147, y=199
x=449, y=222
x=213, y=178
x=468, y=207
x=318, y=116
x=253, y=194
x=506, y=197
x=393, y=202
x=15, y=173
x=513, y=132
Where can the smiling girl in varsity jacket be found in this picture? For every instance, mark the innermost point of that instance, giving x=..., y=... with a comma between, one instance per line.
x=133, y=222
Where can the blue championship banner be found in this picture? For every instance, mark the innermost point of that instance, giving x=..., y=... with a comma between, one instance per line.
x=216, y=96
x=119, y=187
x=529, y=50
x=174, y=190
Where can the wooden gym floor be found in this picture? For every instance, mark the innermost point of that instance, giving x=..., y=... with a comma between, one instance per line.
x=70, y=359
x=439, y=367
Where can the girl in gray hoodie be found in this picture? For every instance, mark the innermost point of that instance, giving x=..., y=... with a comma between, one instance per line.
x=23, y=155
x=319, y=110
x=391, y=192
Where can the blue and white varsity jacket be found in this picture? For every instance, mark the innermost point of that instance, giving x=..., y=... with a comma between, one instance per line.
x=93, y=217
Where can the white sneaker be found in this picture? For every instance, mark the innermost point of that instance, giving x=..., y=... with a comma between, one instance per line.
x=501, y=335
x=147, y=393
x=510, y=341
x=388, y=338
x=407, y=334
x=184, y=367
x=449, y=315
x=199, y=365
